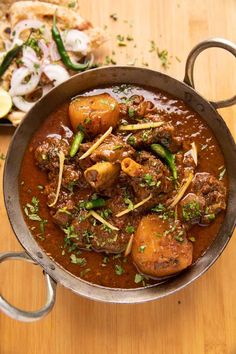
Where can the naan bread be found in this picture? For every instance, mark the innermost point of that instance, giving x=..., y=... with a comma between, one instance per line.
x=12, y=12
x=67, y=18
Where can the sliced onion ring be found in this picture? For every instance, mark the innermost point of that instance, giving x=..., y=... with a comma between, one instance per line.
x=45, y=50
x=56, y=73
x=54, y=54
x=76, y=41
x=18, y=87
x=29, y=24
x=22, y=104
x=30, y=59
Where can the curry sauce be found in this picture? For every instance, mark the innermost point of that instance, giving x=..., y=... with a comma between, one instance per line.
x=97, y=260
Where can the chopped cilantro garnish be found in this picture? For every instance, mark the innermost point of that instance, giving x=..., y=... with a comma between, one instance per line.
x=130, y=229
x=149, y=180
x=179, y=236
x=192, y=238
x=191, y=210
x=163, y=56
x=105, y=213
x=119, y=270
x=129, y=203
x=138, y=278
x=131, y=140
x=159, y=208
x=72, y=4
x=32, y=210
x=76, y=260
x=110, y=60
x=2, y=156
x=142, y=248
x=211, y=216
x=105, y=259
x=131, y=112
x=120, y=38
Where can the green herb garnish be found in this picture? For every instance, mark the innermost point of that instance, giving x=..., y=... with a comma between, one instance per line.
x=159, y=208
x=76, y=260
x=131, y=140
x=142, y=248
x=138, y=278
x=130, y=229
x=191, y=210
x=131, y=112
x=72, y=4
x=119, y=270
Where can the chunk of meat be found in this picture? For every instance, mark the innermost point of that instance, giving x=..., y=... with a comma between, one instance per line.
x=91, y=234
x=81, y=231
x=94, y=113
x=192, y=208
x=214, y=193
x=46, y=154
x=148, y=175
x=160, y=249
x=65, y=199
x=71, y=176
x=136, y=107
x=62, y=217
x=185, y=165
x=139, y=110
x=163, y=135
x=113, y=149
x=108, y=241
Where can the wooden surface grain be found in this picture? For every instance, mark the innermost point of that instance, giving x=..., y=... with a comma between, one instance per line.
x=198, y=319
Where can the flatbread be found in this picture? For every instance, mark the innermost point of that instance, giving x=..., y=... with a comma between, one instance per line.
x=12, y=12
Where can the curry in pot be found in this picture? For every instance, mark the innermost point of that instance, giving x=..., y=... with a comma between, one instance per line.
x=124, y=186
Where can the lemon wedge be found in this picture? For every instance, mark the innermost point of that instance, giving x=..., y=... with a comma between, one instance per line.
x=5, y=103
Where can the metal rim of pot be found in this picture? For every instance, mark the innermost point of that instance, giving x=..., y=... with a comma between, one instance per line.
x=115, y=75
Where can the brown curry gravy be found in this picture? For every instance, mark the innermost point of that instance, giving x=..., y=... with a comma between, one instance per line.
x=186, y=122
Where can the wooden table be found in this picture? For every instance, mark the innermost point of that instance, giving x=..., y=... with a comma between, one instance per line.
x=198, y=319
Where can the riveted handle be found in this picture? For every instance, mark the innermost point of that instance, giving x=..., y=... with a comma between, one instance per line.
x=189, y=67
x=28, y=316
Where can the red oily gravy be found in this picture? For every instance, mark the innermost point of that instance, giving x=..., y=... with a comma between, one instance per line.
x=102, y=267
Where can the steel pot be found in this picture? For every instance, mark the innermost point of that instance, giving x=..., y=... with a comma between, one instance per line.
x=54, y=273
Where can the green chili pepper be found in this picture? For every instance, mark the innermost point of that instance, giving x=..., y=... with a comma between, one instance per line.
x=62, y=51
x=96, y=203
x=166, y=155
x=9, y=57
x=78, y=138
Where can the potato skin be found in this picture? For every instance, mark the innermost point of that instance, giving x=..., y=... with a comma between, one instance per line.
x=94, y=113
x=160, y=255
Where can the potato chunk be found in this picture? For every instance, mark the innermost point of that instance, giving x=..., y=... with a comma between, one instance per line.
x=94, y=113
x=160, y=248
